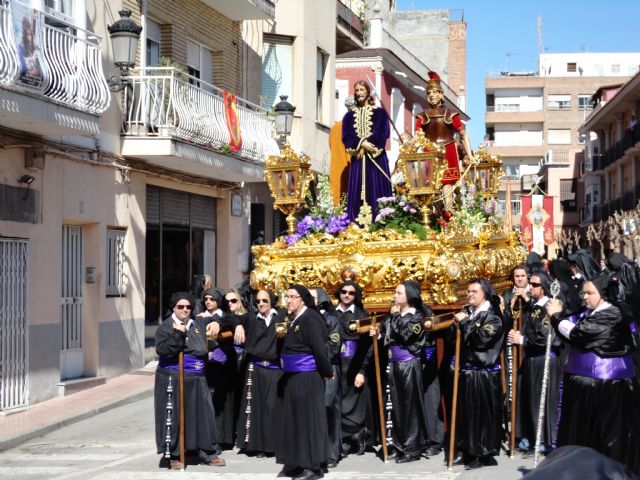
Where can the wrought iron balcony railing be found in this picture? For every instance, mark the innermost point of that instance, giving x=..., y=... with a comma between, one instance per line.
x=164, y=102
x=45, y=56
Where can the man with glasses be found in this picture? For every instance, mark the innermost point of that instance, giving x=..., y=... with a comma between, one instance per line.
x=181, y=333
x=533, y=338
x=257, y=424
x=355, y=356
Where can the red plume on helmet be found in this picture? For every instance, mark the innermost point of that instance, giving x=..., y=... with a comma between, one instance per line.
x=434, y=76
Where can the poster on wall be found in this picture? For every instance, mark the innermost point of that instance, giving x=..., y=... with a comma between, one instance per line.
x=537, y=222
x=27, y=27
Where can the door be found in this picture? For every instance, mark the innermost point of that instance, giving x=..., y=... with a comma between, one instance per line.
x=14, y=269
x=71, y=361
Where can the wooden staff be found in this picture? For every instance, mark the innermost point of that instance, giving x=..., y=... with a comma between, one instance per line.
x=515, y=353
x=181, y=389
x=454, y=402
x=376, y=358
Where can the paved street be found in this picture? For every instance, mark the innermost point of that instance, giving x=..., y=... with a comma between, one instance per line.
x=119, y=445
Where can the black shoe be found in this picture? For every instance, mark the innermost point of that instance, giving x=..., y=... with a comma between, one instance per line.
x=475, y=463
x=406, y=458
x=488, y=461
x=289, y=471
x=308, y=474
x=260, y=455
x=361, y=441
x=433, y=450
x=332, y=464
x=458, y=458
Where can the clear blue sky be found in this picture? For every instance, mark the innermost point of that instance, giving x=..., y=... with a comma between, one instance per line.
x=503, y=35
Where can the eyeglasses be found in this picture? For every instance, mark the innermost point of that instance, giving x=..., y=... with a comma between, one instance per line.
x=183, y=307
x=262, y=300
x=232, y=300
x=535, y=285
x=348, y=292
x=292, y=297
x=210, y=299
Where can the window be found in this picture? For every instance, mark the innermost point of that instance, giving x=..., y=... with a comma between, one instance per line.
x=153, y=43
x=63, y=7
x=321, y=66
x=516, y=204
x=568, y=188
x=115, y=261
x=571, y=67
x=277, y=69
x=584, y=102
x=615, y=68
x=199, y=63
x=559, y=136
x=559, y=102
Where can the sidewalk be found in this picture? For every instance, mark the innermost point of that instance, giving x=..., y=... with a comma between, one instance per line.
x=50, y=415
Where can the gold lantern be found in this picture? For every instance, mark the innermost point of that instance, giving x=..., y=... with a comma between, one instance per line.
x=422, y=163
x=288, y=176
x=486, y=172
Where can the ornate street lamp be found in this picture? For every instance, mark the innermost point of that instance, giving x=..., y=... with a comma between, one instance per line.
x=422, y=163
x=486, y=172
x=284, y=117
x=124, y=34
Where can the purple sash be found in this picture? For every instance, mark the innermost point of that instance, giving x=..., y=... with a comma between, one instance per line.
x=348, y=348
x=428, y=353
x=217, y=355
x=399, y=354
x=588, y=364
x=192, y=364
x=633, y=326
x=468, y=366
x=298, y=363
x=262, y=363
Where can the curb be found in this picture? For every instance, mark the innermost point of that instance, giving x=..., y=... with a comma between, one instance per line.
x=43, y=430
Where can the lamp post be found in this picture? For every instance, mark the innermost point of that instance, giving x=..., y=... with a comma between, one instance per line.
x=124, y=34
x=284, y=118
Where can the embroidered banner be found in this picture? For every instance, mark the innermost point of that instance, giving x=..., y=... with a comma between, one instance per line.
x=537, y=222
x=233, y=121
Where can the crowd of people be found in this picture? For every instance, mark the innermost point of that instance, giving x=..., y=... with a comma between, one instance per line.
x=295, y=380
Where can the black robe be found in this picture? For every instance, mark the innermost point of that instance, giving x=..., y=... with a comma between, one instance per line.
x=199, y=415
x=221, y=372
x=301, y=436
x=332, y=396
x=261, y=343
x=535, y=330
x=596, y=413
x=408, y=411
x=356, y=402
x=479, y=412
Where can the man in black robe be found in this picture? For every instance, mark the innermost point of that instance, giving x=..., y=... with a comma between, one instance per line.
x=332, y=397
x=479, y=413
x=257, y=423
x=533, y=338
x=301, y=437
x=356, y=352
x=181, y=333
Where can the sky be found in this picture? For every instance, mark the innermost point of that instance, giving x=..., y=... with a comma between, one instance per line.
x=502, y=35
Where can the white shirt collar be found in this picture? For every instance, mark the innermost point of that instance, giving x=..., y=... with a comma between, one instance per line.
x=351, y=308
x=543, y=301
x=177, y=320
x=271, y=313
x=302, y=310
x=482, y=308
x=410, y=311
x=601, y=307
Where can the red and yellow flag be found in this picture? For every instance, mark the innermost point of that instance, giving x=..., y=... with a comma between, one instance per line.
x=233, y=121
x=537, y=221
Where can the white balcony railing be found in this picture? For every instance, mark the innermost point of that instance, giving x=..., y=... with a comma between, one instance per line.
x=64, y=63
x=165, y=102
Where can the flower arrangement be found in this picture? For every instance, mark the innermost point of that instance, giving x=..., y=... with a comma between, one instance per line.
x=323, y=217
x=400, y=214
x=477, y=211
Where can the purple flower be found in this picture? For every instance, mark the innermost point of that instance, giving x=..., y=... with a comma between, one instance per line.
x=387, y=211
x=337, y=223
x=412, y=210
x=292, y=239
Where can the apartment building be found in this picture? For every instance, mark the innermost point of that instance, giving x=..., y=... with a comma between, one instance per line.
x=611, y=166
x=111, y=200
x=533, y=119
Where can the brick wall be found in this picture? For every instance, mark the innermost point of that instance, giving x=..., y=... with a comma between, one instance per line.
x=457, y=60
x=193, y=20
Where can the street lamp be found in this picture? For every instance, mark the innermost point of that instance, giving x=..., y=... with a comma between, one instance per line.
x=124, y=34
x=284, y=117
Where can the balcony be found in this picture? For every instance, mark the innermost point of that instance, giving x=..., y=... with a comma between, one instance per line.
x=239, y=10
x=52, y=78
x=177, y=121
x=350, y=26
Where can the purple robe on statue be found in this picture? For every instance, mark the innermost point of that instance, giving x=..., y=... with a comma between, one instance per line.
x=372, y=124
